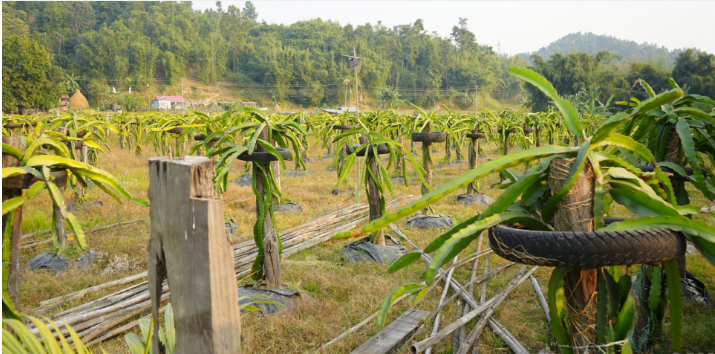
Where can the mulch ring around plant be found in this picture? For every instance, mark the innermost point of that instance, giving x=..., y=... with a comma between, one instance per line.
x=244, y=180
x=231, y=226
x=287, y=207
x=58, y=263
x=480, y=199
x=83, y=207
x=427, y=221
x=401, y=179
x=364, y=250
x=296, y=173
x=694, y=290
x=281, y=299
x=341, y=191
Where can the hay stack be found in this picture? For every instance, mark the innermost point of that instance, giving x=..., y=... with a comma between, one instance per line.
x=78, y=101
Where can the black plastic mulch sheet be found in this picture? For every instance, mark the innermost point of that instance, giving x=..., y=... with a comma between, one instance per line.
x=365, y=251
x=284, y=297
x=427, y=221
x=57, y=263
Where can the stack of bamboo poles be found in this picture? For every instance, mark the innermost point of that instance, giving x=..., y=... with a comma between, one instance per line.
x=106, y=317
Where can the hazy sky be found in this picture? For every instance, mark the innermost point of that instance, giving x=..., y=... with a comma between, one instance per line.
x=515, y=26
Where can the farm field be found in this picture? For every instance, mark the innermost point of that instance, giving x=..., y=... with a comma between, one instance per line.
x=343, y=294
x=586, y=171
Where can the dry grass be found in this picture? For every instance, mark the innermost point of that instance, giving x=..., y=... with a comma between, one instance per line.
x=343, y=295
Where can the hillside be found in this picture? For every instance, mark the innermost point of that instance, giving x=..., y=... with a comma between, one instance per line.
x=593, y=43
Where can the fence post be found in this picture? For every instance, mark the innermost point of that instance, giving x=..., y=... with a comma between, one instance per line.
x=13, y=276
x=189, y=247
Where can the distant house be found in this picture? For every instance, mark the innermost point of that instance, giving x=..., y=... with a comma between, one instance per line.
x=341, y=110
x=249, y=104
x=168, y=102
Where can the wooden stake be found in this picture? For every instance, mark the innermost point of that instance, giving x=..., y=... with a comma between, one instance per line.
x=473, y=150
x=13, y=280
x=575, y=213
x=271, y=256
x=374, y=195
x=189, y=247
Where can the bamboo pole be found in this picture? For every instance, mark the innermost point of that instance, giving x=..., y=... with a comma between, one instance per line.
x=435, y=325
x=485, y=317
x=461, y=291
x=542, y=300
x=101, y=317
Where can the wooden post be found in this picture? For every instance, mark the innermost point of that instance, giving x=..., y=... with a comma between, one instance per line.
x=575, y=213
x=672, y=154
x=177, y=152
x=537, y=131
x=277, y=168
x=82, y=154
x=506, y=133
x=473, y=150
x=427, y=165
x=59, y=219
x=271, y=256
x=374, y=193
x=447, y=150
x=13, y=279
x=189, y=247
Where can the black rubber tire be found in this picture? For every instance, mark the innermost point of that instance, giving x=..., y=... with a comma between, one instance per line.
x=431, y=137
x=175, y=130
x=12, y=125
x=586, y=249
x=202, y=137
x=382, y=149
x=343, y=127
x=82, y=134
x=676, y=176
x=476, y=136
x=508, y=131
x=261, y=156
x=528, y=130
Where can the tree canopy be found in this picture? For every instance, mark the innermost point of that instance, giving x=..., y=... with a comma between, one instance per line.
x=99, y=45
x=28, y=78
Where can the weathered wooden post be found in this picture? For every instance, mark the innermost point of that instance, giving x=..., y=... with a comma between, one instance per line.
x=427, y=165
x=538, y=136
x=271, y=252
x=506, y=133
x=189, y=247
x=374, y=192
x=59, y=219
x=575, y=213
x=473, y=150
x=427, y=138
x=13, y=277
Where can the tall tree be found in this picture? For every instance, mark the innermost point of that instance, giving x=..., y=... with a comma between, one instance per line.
x=28, y=78
x=697, y=70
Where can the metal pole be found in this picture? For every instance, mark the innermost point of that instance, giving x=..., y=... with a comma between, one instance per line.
x=357, y=110
x=476, y=100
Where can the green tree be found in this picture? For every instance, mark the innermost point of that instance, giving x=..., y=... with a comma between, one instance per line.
x=28, y=77
x=250, y=10
x=697, y=70
x=14, y=21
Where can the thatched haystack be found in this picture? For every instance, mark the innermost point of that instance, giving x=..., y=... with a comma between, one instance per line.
x=78, y=101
